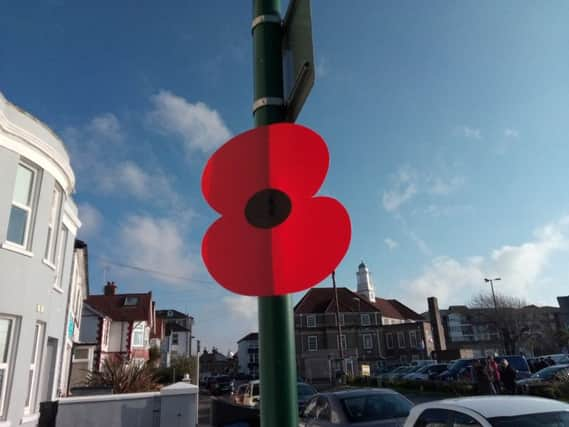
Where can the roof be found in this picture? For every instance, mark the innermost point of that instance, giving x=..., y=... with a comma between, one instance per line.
x=395, y=309
x=253, y=336
x=113, y=306
x=171, y=314
x=499, y=406
x=321, y=300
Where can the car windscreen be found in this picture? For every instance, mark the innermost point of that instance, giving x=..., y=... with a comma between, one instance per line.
x=548, y=419
x=305, y=390
x=255, y=390
x=516, y=362
x=375, y=407
x=547, y=373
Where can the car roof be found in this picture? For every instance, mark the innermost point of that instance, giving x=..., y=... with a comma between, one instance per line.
x=341, y=394
x=499, y=406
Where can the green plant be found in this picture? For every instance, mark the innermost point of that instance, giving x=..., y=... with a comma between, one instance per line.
x=123, y=376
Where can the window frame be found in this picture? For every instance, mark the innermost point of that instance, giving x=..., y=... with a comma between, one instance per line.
x=61, y=254
x=344, y=341
x=365, y=316
x=175, y=338
x=54, y=225
x=312, y=338
x=138, y=329
x=389, y=341
x=311, y=321
x=400, y=337
x=368, y=337
x=413, y=336
x=31, y=209
x=6, y=367
x=31, y=402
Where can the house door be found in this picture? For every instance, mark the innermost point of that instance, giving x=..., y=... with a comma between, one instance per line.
x=48, y=370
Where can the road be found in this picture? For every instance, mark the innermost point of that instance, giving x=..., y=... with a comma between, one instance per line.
x=205, y=404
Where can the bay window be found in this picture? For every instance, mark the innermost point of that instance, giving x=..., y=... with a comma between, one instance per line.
x=6, y=339
x=54, y=219
x=23, y=205
x=33, y=373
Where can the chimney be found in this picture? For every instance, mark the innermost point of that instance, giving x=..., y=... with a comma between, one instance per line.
x=436, y=324
x=110, y=289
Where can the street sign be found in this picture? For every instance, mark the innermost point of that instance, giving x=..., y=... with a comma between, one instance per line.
x=298, y=57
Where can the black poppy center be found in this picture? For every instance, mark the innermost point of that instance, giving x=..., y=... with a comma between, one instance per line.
x=268, y=208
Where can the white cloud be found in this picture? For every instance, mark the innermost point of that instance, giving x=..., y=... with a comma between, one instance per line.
x=511, y=133
x=472, y=133
x=241, y=308
x=91, y=220
x=402, y=190
x=521, y=268
x=200, y=127
x=106, y=126
x=442, y=187
x=322, y=68
x=157, y=244
x=391, y=244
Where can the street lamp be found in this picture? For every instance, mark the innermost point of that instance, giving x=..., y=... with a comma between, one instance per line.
x=491, y=281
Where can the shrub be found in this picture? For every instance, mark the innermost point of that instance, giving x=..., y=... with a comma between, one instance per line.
x=123, y=376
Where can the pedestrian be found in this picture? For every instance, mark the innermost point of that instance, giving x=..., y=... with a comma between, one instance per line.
x=482, y=378
x=508, y=376
x=494, y=373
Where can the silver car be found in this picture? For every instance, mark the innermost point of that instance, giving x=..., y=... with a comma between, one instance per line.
x=361, y=407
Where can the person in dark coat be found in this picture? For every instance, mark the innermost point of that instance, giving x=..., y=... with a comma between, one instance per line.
x=508, y=377
x=482, y=378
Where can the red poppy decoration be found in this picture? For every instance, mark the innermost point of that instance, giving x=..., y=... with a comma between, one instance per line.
x=273, y=237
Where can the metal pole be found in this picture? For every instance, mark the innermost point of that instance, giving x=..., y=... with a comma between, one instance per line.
x=340, y=346
x=279, y=403
x=493, y=295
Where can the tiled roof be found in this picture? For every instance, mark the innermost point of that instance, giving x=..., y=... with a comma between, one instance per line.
x=113, y=306
x=171, y=314
x=394, y=309
x=321, y=300
x=174, y=327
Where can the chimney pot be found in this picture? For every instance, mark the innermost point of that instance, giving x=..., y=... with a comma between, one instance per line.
x=110, y=288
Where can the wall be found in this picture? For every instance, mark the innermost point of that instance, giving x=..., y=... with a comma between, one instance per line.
x=175, y=405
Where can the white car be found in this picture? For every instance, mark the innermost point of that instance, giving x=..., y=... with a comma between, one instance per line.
x=490, y=411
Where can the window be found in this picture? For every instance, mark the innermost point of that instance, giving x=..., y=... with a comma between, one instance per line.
x=401, y=339
x=375, y=408
x=413, y=339
x=53, y=226
x=33, y=374
x=138, y=335
x=365, y=319
x=61, y=256
x=464, y=420
x=6, y=335
x=311, y=321
x=130, y=301
x=23, y=205
x=344, y=342
x=389, y=340
x=433, y=418
x=174, y=339
x=368, y=341
x=312, y=343
x=323, y=412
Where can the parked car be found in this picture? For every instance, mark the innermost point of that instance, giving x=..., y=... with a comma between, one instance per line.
x=361, y=407
x=456, y=369
x=238, y=395
x=491, y=411
x=252, y=394
x=305, y=393
x=548, y=375
x=426, y=372
x=221, y=384
x=461, y=369
x=394, y=372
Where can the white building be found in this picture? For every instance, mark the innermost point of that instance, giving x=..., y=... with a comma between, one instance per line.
x=38, y=224
x=248, y=354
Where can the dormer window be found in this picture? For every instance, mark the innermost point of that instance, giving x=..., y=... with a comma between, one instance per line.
x=130, y=301
x=170, y=313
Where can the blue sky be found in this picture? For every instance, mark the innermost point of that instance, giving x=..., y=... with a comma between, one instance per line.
x=447, y=125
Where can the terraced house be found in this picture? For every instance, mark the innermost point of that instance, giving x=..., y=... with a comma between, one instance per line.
x=38, y=224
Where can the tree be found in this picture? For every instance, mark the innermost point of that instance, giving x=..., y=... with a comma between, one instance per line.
x=123, y=376
x=185, y=365
x=506, y=315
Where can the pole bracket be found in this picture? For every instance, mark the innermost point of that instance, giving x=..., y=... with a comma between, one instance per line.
x=262, y=19
x=267, y=100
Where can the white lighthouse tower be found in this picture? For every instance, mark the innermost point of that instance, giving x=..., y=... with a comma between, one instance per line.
x=365, y=285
